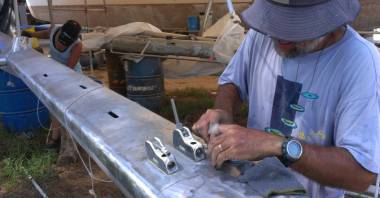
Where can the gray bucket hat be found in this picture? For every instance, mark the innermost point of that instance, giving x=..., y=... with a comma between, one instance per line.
x=299, y=20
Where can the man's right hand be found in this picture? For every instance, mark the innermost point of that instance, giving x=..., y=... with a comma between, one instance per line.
x=212, y=116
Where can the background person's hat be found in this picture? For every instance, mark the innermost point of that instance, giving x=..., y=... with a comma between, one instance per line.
x=69, y=32
x=299, y=20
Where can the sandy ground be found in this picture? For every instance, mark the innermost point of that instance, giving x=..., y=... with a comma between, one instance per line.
x=203, y=82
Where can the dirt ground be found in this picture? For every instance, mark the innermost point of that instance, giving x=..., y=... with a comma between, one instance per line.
x=69, y=181
x=64, y=181
x=202, y=82
x=205, y=82
x=73, y=180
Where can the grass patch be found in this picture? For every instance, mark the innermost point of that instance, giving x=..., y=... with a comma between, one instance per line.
x=190, y=92
x=192, y=103
x=23, y=157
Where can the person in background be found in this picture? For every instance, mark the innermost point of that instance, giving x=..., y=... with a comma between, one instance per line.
x=312, y=86
x=65, y=47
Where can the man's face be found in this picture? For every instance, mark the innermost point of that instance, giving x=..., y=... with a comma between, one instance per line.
x=289, y=49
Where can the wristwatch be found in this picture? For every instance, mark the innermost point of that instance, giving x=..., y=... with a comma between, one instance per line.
x=291, y=151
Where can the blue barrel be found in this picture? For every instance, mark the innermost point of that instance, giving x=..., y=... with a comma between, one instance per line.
x=193, y=24
x=145, y=82
x=18, y=105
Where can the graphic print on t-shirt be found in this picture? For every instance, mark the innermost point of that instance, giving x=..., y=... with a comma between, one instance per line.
x=285, y=106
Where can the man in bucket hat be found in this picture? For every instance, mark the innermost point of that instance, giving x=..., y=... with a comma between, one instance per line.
x=312, y=86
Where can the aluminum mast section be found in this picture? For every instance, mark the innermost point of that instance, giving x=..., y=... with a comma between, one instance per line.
x=113, y=130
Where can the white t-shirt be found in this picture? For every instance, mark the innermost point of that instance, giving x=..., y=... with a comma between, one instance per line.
x=346, y=80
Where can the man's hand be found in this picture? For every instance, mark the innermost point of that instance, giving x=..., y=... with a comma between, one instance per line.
x=226, y=102
x=212, y=116
x=238, y=143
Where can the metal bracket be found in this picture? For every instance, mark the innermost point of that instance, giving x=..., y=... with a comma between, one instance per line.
x=160, y=156
x=184, y=141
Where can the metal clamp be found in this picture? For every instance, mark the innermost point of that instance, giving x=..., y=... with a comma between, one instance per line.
x=160, y=156
x=184, y=141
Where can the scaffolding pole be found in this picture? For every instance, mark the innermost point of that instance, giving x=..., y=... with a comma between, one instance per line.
x=51, y=17
x=17, y=18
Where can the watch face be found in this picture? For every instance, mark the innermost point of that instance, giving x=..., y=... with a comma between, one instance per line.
x=294, y=149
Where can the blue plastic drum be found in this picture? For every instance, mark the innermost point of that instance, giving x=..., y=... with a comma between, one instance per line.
x=18, y=105
x=193, y=24
x=145, y=82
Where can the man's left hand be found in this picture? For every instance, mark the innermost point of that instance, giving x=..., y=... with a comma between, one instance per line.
x=238, y=143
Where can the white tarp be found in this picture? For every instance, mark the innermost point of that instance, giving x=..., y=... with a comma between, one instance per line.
x=229, y=34
x=227, y=30
x=94, y=40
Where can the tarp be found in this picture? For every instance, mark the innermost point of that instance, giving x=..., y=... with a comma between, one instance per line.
x=229, y=34
x=95, y=40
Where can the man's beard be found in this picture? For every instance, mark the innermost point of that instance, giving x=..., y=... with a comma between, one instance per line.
x=300, y=48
